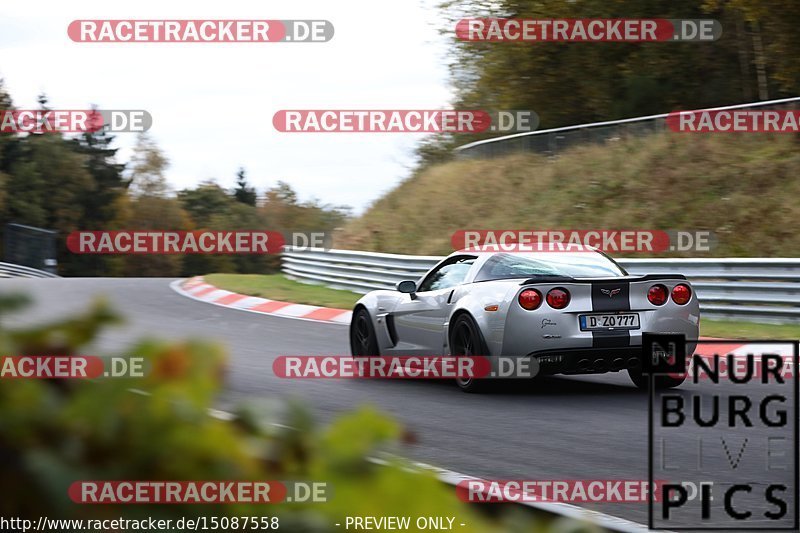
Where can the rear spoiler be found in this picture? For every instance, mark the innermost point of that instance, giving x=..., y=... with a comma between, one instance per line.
x=627, y=279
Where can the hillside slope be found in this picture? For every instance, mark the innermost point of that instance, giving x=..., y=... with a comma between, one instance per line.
x=744, y=187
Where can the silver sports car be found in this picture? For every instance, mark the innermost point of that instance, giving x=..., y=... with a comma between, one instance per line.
x=575, y=312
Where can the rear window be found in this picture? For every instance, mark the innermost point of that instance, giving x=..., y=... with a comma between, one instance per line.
x=573, y=265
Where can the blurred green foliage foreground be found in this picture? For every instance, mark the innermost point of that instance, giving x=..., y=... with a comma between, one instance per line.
x=56, y=432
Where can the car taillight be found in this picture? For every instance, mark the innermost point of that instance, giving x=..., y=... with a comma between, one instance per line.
x=530, y=299
x=558, y=298
x=681, y=294
x=657, y=295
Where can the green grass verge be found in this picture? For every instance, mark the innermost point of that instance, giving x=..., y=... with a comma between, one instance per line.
x=726, y=329
x=279, y=287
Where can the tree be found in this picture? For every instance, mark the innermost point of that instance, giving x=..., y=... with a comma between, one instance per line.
x=5, y=142
x=205, y=201
x=147, y=167
x=47, y=184
x=286, y=213
x=282, y=193
x=8, y=145
x=574, y=83
x=101, y=204
x=71, y=184
x=152, y=213
x=107, y=173
x=244, y=193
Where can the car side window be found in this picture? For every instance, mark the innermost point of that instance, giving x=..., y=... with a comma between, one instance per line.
x=447, y=275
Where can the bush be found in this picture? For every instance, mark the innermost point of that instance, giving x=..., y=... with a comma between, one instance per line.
x=56, y=432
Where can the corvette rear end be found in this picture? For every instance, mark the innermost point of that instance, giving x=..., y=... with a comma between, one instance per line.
x=584, y=326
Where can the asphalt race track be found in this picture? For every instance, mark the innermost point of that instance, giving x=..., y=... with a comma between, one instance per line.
x=559, y=428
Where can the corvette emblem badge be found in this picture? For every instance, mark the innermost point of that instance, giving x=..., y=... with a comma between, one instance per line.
x=611, y=292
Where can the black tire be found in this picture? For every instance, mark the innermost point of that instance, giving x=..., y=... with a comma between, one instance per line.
x=363, y=341
x=466, y=339
x=661, y=382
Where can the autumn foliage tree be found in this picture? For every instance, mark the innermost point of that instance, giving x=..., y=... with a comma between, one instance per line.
x=76, y=182
x=757, y=58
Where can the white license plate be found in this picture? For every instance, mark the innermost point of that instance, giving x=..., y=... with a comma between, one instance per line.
x=611, y=321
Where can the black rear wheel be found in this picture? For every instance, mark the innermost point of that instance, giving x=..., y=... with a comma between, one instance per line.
x=466, y=340
x=363, y=341
x=661, y=382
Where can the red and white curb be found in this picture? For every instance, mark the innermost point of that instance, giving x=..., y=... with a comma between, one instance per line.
x=785, y=349
x=198, y=289
x=739, y=352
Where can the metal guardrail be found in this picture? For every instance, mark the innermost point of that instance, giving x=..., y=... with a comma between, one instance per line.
x=8, y=270
x=758, y=290
x=356, y=271
x=551, y=141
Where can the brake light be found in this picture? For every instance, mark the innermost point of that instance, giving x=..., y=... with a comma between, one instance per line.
x=530, y=299
x=681, y=294
x=558, y=298
x=657, y=295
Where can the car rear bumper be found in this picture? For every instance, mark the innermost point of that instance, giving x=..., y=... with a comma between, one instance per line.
x=593, y=360
x=588, y=360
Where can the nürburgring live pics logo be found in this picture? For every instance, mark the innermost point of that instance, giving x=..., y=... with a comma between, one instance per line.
x=727, y=440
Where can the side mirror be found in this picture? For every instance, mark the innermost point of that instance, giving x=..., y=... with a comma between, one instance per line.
x=407, y=287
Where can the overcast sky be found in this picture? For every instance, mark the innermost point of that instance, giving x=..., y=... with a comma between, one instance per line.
x=212, y=104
